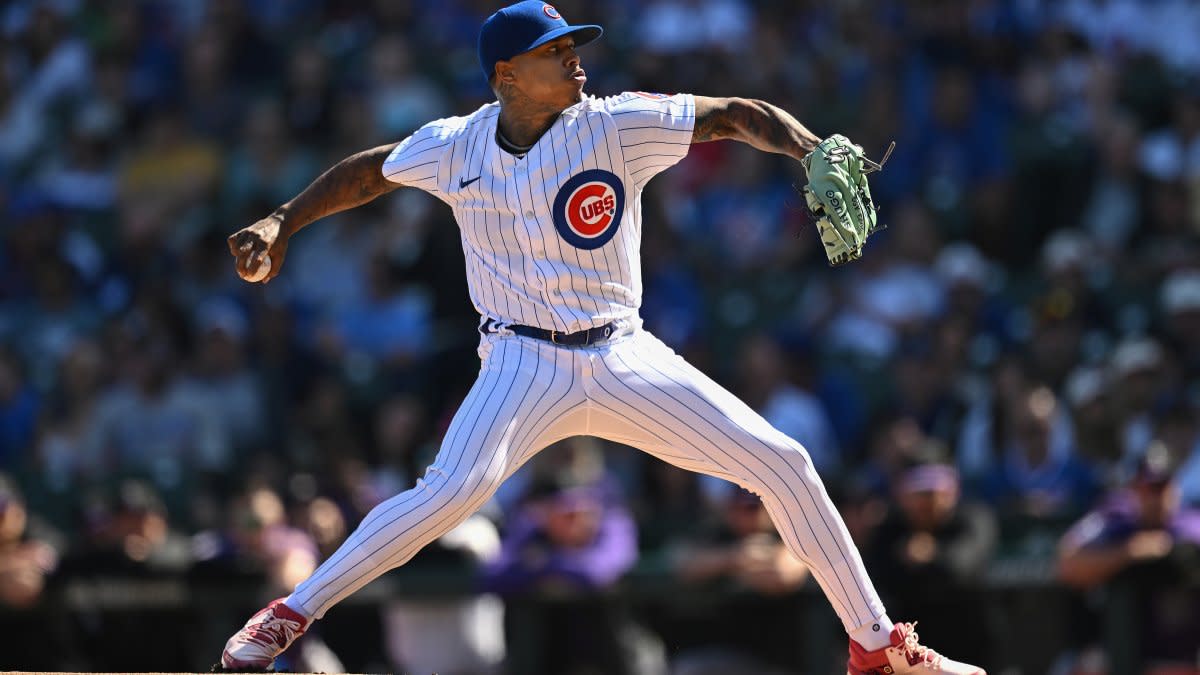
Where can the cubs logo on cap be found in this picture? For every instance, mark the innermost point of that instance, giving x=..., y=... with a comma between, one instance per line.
x=551, y=12
x=588, y=208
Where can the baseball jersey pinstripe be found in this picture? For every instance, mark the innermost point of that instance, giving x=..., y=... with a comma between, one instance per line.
x=551, y=240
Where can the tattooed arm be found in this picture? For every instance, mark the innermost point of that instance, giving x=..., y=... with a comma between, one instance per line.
x=354, y=181
x=751, y=121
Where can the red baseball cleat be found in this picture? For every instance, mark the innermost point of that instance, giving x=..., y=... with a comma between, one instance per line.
x=905, y=656
x=265, y=636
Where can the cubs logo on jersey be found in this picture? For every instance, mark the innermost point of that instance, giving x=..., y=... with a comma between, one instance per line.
x=588, y=208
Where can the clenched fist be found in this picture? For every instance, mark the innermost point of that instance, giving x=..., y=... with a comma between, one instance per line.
x=262, y=244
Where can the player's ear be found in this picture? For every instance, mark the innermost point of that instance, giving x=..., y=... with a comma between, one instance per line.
x=505, y=72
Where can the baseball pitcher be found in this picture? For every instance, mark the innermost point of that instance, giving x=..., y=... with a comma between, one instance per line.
x=545, y=184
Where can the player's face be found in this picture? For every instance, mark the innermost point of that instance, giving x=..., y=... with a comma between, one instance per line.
x=550, y=74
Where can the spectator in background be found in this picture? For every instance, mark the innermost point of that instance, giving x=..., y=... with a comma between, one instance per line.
x=668, y=502
x=128, y=534
x=267, y=166
x=335, y=263
x=1038, y=474
x=1113, y=204
x=319, y=516
x=58, y=315
x=955, y=153
x=1088, y=395
x=126, y=537
x=970, y=281
x=309, y=95
x=890, y=296
x=673, y=26
x=402, y=443
x=61, y=456
x=1049, y=149
x=931, y=551
x=1177, y=433
x=768, y=387
x=1072, y=304
x=673, y=304
x=402, y=98
x=895, y=440
x=568, y=534
x=168, y=172
x=740, y=555
x=981, y=435
x=28, y=553
x=1136, y=368
x=143, y=424
x=19, y=409
x=50, y=64
x=454, y=635
x=85, y=178
x=390, y=325
x=258, y=542
x=1142, y=537
x=220, y=381
x=1055, y=343
x=1180, y=302
x=29, y=556
x=1173, y=153
x=214, y=105
x=572, y=539
x=922, y=382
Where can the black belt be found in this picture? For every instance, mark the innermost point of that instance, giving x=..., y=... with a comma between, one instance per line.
x=577, y=339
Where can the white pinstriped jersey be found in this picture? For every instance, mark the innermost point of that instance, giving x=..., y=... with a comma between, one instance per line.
x=552, y=239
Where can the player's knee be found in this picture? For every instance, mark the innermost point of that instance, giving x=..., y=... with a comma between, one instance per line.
x=466, y=492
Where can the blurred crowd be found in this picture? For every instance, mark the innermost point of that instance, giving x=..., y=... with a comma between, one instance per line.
x=1011, y=369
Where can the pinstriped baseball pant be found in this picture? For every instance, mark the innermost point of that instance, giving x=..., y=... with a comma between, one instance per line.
x=632, y=390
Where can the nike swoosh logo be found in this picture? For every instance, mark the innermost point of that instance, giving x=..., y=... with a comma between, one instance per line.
x=464, y=183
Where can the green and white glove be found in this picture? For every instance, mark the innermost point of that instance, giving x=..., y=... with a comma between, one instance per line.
x=839, y=196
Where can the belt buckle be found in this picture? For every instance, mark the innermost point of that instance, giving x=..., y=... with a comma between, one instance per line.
x=554, y=337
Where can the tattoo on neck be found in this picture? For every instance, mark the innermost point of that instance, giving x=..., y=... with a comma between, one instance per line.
x=524, y=120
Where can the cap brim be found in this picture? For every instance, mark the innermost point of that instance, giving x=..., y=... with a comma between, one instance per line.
x=583, y=34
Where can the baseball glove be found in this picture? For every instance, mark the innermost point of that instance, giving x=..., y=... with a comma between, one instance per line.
x=839, y=197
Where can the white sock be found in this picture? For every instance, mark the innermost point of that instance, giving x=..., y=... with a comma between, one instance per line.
x=876, y=635
x=295, y=607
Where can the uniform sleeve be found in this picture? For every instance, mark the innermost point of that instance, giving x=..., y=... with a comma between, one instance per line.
x=655, y=130
x=418, y=159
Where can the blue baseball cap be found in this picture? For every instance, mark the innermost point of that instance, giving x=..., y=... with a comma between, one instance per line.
x=526, y=25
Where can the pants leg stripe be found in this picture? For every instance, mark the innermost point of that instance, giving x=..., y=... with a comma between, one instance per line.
x=357, y=542
x=520, y=443
x=447, y=521
x=748, y=454
x=690, y=375
x=539, y=441
x=851, y=561
x=636, y=412
x=630, y=418
x=306, y=589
